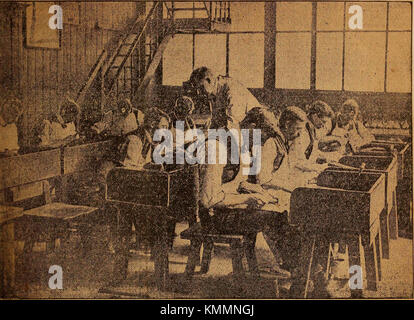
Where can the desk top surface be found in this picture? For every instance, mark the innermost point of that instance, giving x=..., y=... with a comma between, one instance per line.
x=8, y=213
x=59, y=210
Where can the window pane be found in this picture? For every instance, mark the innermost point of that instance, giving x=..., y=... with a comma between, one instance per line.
x=210, y=51
x=330, y=16
x=364, y=61
x=399, y=62
x=329, y=61
x=177, y=60
x=293, y=52
x=246, y=59
x=374, y=15
x=247, y=16
x=293, y=16
x=400, y=16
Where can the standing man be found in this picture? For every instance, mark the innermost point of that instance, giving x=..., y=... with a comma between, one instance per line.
x=230, y=99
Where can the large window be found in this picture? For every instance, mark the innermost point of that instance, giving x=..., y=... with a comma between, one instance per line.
x=376, y=58
x=314, y=47
x=237, y=52
x=293, y=45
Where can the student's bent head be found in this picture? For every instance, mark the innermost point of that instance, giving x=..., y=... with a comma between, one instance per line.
x=322, y=117
x=204, y=79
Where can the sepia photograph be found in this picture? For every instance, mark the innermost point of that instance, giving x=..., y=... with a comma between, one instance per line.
x=206, y=150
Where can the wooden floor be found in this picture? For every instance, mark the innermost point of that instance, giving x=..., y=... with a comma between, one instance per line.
x=83, y=277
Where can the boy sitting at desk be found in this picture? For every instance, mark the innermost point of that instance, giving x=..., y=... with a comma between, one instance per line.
x=10, y=110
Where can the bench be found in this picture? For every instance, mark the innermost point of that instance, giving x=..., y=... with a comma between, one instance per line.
x=241, y=245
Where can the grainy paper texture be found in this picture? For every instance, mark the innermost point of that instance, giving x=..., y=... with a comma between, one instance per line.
x=206, y=150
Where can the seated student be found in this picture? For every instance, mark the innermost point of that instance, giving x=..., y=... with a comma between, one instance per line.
x=222, y=188
x=322, y=118
x=328, y=146
x=122, y=124
x=182, y=111
x=350, y=126
x=10, y=110
x=62, y=126
x=297, y=168
x=154, y=118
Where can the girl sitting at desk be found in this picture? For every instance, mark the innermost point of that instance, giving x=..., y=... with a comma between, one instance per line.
x=328, y=147
x=286, y=165
x=62, y=126
x=350, y=126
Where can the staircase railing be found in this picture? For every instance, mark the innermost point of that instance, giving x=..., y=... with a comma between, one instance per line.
x=131, y=62
x=135, y=34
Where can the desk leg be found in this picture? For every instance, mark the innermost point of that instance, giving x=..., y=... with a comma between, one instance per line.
x=121, y=247
x=193, y=257
x=236, y=259
x=385, y=235
x=207, y=251
x=393, y=218
x=27, y=262
x=371, y=267
x=249, y=251
x=161, y=262
x=7, y=260
x=354, y=253
x=302, y=275
x=378, y=254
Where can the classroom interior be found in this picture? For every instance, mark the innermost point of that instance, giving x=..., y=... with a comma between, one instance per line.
x=285, y=53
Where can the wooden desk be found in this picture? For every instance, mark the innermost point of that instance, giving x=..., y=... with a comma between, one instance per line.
x=23, y=169
x=345, y=205
x=159, y=197
x=389, y=218
x=85, y=157
x=81, y=181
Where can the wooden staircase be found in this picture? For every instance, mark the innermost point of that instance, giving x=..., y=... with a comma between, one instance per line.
x=127, y=65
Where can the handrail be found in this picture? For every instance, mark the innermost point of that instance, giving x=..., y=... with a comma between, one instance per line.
x=133, y=45
x=91, y=77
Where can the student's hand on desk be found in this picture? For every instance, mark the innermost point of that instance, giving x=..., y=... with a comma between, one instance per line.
x=258, y=200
